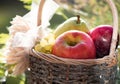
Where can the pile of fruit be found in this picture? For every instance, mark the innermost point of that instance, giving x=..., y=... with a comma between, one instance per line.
x=73, y=39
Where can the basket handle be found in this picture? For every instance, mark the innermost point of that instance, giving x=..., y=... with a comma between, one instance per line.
x=40, y=12
x=115, y=27
x=115, y=23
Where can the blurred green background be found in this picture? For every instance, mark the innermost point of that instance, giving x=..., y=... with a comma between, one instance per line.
x=8, y=10
x=95, y=12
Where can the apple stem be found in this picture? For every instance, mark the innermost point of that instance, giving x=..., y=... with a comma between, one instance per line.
x=78, y=19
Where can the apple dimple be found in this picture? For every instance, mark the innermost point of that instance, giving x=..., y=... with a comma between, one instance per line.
x=71, y=43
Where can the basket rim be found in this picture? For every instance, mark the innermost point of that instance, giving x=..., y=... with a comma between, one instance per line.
x=55, y=59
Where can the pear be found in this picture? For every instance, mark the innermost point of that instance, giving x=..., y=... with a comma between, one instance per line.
x=73, y=23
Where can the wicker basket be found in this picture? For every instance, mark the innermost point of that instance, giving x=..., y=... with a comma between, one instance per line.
x=50, y=69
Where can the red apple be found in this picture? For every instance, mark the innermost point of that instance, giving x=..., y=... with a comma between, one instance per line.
x=102, y=36
x=74, y=44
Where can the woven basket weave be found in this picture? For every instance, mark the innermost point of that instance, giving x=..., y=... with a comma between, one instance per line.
x=51, y=69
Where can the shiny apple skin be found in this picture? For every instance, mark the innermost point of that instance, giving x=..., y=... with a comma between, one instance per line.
x=102, y=36
x=74, y=44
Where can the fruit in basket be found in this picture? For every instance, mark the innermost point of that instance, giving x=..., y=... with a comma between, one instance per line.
x=74, y=44
x=102, y=36
x=73, y=23
x=37, y=47
x=45, y=44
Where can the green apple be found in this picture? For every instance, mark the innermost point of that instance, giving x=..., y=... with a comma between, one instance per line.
x=73, y=23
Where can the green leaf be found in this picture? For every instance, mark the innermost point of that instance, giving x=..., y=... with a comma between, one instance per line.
x=16, y=80
x=26, y=1
x=3, y=38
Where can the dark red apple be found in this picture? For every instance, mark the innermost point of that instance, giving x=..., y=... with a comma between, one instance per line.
x=74, y=44
x=102, y=36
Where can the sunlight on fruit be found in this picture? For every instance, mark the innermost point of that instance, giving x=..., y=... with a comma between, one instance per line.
x=45, y=44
